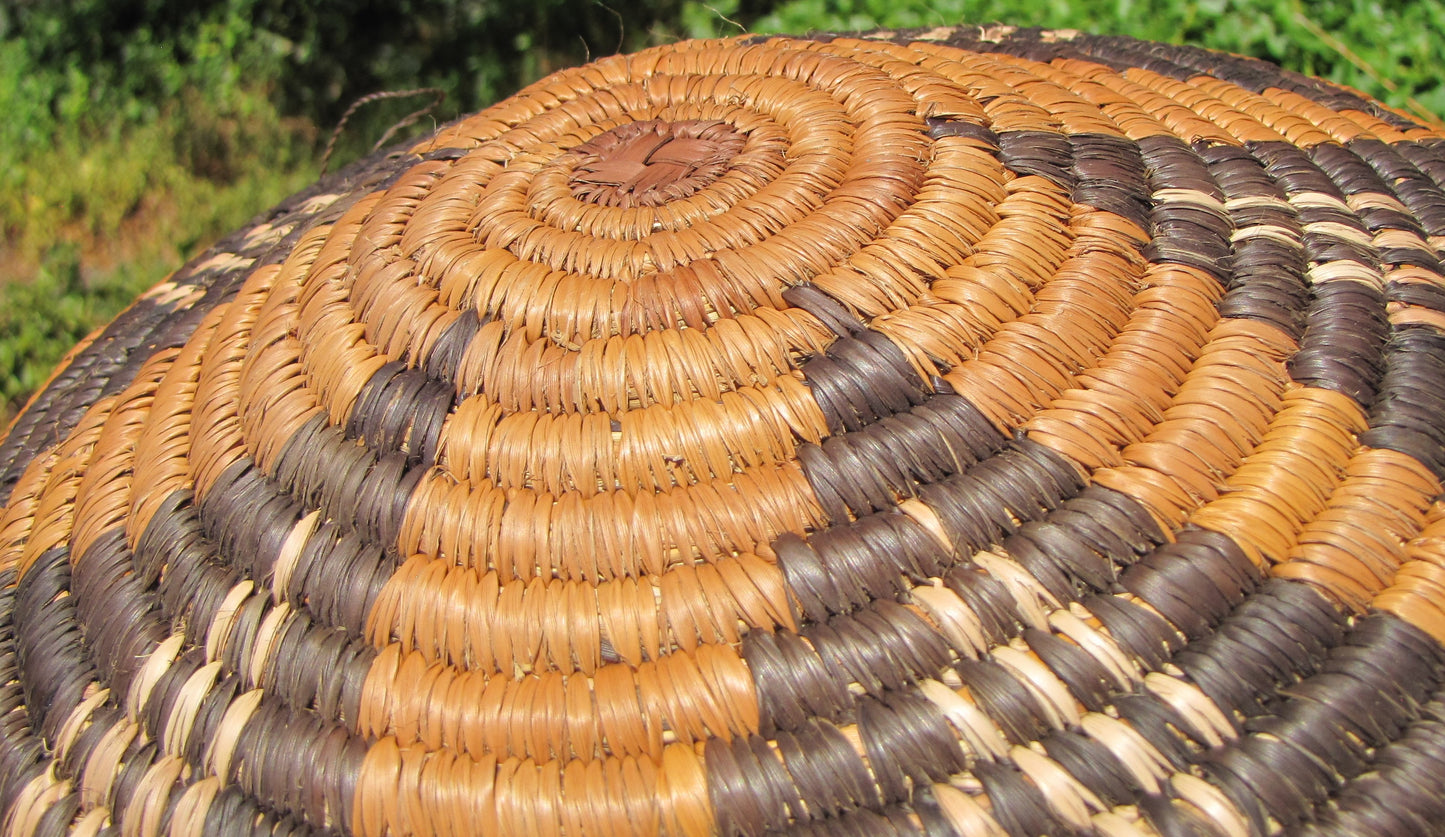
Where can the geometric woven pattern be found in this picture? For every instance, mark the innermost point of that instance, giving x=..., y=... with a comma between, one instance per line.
x=977, y=431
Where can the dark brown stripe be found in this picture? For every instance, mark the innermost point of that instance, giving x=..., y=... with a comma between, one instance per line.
x=446, y=353
x=862, y=378
x=1111, y=176
x=1267, y=278
x=1094, y=765
x=294, y=761
x=1399, y=795
x=22, y=752
x=1346, y=328
x=401, y=410
x=105, y=367
x=750, y=790
x=1022, y=482
x=1349, y=167
x=1017, y=804
x=908, y=743
x=1370, y=690
x=893, y=821
x=1277, y=636
x=195, y=580
x=233, y=812
x=1186, y=233
x=1195, y=581
x=336, y=578
x=51, y=659
x=1409, y=415
x=830, y=777
x=861, y=473
x=361, y=489
x=1040, y=153
x=1428, y=156
x=117, y=612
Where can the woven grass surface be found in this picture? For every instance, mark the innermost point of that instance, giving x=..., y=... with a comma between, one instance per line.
x=977, y=431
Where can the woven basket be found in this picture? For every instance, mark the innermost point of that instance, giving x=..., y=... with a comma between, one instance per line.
x=971, y=431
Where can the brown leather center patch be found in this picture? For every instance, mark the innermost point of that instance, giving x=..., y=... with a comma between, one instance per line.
x=652, y=162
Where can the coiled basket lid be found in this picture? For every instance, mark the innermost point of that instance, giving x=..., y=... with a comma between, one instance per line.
x=950, y=432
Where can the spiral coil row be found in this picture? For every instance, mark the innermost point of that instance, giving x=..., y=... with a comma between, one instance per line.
x=972, y=431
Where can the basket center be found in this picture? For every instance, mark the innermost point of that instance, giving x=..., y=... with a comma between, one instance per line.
x=652, y=162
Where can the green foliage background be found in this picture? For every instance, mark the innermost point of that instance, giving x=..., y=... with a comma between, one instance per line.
x=134, y=132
